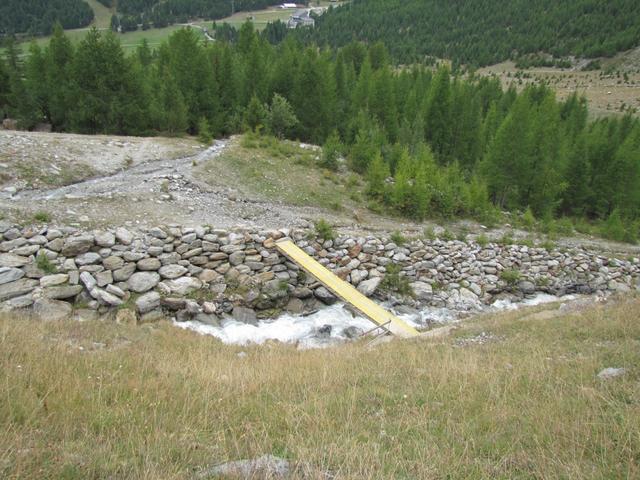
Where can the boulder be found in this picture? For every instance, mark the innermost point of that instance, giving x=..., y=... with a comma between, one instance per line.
x=89, y=258
x=141, y=282
x=423, y=291
x=244, y=315
x=17, y=288
x=8, y=274
x=147, y=302
x=10, y=260
x=113, y=263
x=53, y=280
x=16, y=303
x=236, y=258
x=325, y=296
x=124, y=273
x=527, y=287
x=610, y=372
x=352, y=332
x=74, y=246
x=184, y=285
x=171, y=303
x=52, y=310
x=88, y=281
x=172, y=271
x=62, y=293
x=106, y=297
x=295, y=306
x=149, y=264
x=105, y=239
x=275, y=289
x=368, y=287
x=267, y=466
x=124, y=236
x=104, y=278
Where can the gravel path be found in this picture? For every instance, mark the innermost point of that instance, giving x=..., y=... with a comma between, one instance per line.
x=162, y=191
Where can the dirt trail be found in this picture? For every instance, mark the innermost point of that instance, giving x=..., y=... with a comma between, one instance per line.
x=146, y=193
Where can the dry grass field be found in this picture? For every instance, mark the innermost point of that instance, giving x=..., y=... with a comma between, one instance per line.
x=99, y=400
x=614, y=89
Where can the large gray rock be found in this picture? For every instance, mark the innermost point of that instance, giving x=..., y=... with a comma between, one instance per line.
x=172, y=271
x=88, y=281
x=141, y=282
x=52, y=310
x=105, y=239
x=368, y=287
x=244, y=315
x=325, y=296
x=26, y=250
x=78, y=245
x=17, y=288
x=124, y=273
x=89, y=258
x=610, y=372
x=113, y=263
x=149, y=264
x=11, y=244
x=8, y=274
x=147, y=302
x=236, y=258
x=422, y=290
x=15, y=303
x=124, y=236
x=106, y=297
x=53, y=280
x=62, y=293
x=184, y=285
x=9, y=260
x=527, y=287
x=266, y=467
x=275, y=289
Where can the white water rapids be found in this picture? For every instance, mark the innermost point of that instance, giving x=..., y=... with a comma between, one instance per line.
x=327, y=327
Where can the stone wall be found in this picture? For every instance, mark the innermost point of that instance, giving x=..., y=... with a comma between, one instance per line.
x=203, y=273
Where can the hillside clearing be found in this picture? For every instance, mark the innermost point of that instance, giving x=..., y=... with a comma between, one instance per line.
x=508, y=396
x=283, y=171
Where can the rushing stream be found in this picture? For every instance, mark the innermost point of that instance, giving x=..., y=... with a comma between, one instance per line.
x=332, y=325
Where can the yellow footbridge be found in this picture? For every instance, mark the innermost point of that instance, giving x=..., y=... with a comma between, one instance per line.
x=374, y=312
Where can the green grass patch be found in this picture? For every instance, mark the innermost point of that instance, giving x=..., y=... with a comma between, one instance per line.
x=280, y=170
x=101, y=400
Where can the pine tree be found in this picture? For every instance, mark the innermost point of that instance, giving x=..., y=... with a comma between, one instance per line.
x=377, y=175
x=331, y=151
x=173, y=109
x=255, y=115
x=401, y=194
x=204, y=133
x=280, y=117
x=506, y=164
x=438, y=120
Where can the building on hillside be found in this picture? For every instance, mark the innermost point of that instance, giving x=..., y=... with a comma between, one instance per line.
x=302, y=18
x=288, y=5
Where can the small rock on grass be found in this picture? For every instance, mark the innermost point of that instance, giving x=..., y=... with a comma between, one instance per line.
x=267, y=466
x=610, y=372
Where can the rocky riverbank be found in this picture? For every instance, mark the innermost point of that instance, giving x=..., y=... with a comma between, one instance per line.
x=207, y=274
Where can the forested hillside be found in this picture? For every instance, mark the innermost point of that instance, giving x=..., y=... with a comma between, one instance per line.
x=37, y=17
x=484, y=32
x=454, y=146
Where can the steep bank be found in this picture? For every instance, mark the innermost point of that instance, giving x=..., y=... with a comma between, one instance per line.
x=211, y=275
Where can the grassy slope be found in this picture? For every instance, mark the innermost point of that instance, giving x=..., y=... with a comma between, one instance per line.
x=156, y=402
x=283, y=172
x=102, y=14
